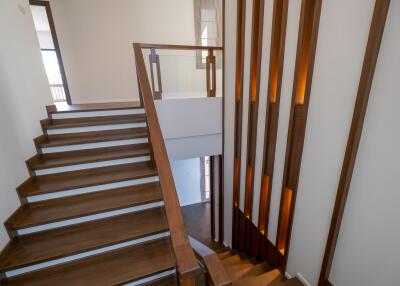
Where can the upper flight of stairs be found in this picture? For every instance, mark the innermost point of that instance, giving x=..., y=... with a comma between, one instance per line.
x=247, y=272
x=91, y=211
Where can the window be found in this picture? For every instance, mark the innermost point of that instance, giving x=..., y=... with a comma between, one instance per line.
x=208, y=27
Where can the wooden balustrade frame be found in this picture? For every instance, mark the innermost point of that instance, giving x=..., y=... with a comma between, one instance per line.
x=216, y=270
x=154, y=59
x=187, y=265
x=211, y=67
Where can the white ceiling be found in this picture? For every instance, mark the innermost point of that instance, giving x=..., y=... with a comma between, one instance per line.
x=40, y=18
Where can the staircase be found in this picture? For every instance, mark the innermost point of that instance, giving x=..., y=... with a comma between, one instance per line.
x=92, y=211
x=247, y=272
x=227, y=267
x=100, y=207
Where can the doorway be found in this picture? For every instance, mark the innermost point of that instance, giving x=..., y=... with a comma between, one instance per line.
x=50, y=49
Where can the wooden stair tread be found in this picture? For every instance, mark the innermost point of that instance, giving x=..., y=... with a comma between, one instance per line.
x=258, y=269
x=238, y=270
x=85, y=178
x=292, y=282
x=33, y=214
x=261, y=280
x=52, y=160
x=67, y=108
x=112, y=268
x=224, y=254
x=90, y=137
x=56, y=243
x=50, y=124
x=234, y=259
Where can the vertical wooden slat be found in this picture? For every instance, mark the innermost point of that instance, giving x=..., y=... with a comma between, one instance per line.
x=367, y=74
x=306, y=46
x=255, y=67
x=212, y=195
x=278, y=37
x=221, y=200
x=240, y=36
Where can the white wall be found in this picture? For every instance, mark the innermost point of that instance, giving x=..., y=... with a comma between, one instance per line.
x=187, y=180
x=192, y=127
x=95, y=38
x=367, y=251
x=367, y=247
x=24, y=92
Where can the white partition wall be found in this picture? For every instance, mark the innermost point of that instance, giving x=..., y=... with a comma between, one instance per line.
x=367, y=246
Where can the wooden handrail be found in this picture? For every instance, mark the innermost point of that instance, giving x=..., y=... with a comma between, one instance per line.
x=179, y=47
x=212, y=262
x=186, y=261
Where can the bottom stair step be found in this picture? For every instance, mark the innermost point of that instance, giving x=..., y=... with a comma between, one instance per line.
x=112, y=268
x=267, y=279
x=60, y=242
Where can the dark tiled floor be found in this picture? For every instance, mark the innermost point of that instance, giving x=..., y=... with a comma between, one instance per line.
x=198, y=223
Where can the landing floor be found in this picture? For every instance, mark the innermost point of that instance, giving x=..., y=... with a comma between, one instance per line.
x=198, y=223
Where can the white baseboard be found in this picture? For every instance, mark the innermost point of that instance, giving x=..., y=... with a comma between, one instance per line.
x=302, y=279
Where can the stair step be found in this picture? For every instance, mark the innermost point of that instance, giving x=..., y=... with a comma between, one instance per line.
x=258, y=270
x=49, y=211
x=236, y=271
x=292, y=282
x=85, y=178
x=50, y=124
x=266, y=279
x=62, y=159
x=56, y=243
x=234, y=259
x=67, y=108
x=224, y=254
x=111, y=268
x=57, y=140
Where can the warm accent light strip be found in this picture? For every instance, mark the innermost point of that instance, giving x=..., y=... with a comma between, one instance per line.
x=235, y=179
x=305, y=48
x=249, y=193
x=263, y=203
x=285, y=214
x=273, y=86
x=301, y=84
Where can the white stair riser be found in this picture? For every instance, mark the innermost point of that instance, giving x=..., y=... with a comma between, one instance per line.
x=97, y=113
x=88, y=218
x=91, y=189
x=76, y=147
x=85, y=254
x=151, y=278
x=95, y=128
x=85, y=166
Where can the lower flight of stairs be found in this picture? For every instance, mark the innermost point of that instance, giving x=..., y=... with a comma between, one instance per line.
x=91, y=212
x=247, y=272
